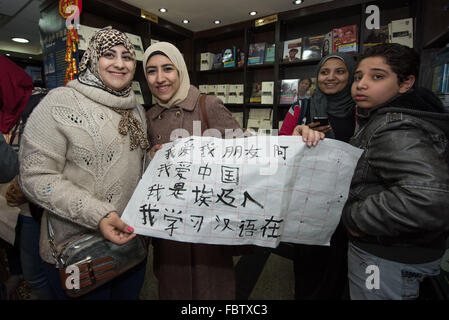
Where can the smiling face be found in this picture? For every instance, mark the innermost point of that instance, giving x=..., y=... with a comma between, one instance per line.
x=162, y=77
x=333, y=76
x=375, y=83
x=116, y=67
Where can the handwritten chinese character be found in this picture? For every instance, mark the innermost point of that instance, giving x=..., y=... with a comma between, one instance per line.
x=164, y=167
x=181, y=168
x=204, y=171
x=226, y=198
x=272, y=225
x=208, y=149
x=173, y=220
x=232, y=151
x=252, y=153
x=280, y=151
x=154, y=190
x=230, y=174
x=247, y=196
x=148, y=214
x=178, y=190
x=247, y=230
x=198, y=222
x=225, y=221
x=204, y=197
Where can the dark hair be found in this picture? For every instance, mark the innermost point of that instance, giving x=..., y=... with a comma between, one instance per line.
x=403, y=60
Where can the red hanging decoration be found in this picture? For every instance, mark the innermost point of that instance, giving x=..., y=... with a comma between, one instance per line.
x=72, y=36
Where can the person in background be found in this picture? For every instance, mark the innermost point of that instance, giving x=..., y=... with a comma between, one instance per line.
x=320, y=271
x=397, y=210
x=9, y=163
x=189, y=270
x=28, y=224
x=83, y=168
x=15, y=89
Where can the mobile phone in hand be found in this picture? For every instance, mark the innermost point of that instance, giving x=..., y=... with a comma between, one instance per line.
x=324, y=121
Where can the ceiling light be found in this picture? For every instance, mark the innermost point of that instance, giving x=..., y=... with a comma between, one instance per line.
x=30, y=57
x=8, y=54
x=253, y=13
x=185, y=21
x=217, y=21
x=297, y=1
x=20, y=40
x=163, y=10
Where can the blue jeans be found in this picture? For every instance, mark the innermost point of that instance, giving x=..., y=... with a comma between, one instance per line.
x=32, y=265
x=374, y=278
x=125, y=287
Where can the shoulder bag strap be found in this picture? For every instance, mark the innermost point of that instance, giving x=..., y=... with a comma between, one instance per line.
x=204, y=118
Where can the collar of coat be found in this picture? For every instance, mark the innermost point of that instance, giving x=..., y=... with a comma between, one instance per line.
x=188, y=104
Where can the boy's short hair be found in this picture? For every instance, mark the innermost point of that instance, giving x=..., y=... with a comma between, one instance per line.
x=403, y=60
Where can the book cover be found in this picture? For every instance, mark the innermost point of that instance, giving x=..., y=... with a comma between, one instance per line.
x=306, y=88
x=289, y=91
x=312, y=47
x=256, y=93
x=327, y=44
x=345, y=39
x=229, y=57
x=240, y=58
x=269, y=52
x=218, y=61
x=375, y=37
x=402, y=32
x=256, y=53
x=292, y=50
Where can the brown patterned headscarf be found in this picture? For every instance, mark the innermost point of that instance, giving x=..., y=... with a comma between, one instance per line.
x=102, y=41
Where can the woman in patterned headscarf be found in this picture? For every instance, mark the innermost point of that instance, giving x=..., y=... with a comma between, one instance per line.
x=81, y=157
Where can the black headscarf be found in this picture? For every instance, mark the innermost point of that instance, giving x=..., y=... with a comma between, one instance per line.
x=339, y=105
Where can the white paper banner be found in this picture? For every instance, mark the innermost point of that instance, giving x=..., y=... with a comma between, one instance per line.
x=256, y=190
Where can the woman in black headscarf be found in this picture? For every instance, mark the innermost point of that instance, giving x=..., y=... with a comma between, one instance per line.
x=321, y=272
x=331, y=99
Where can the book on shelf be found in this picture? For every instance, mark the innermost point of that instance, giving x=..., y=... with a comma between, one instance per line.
x=312, y=47
x=440, y=83
x=135, y=85
x=240, y=58
x=218, y=61
x=222, y=92
x=345, y=39
x=269, y=52
x=375, y=37
x=267, y=92
x=203, y=88
x=238, y=116
x=138, y=46
x=328, y=44
x=207, y=61
x=256, y=53
x=256, y=93
x=229, y=57
x=401, y=31
x=292, y=50
x=306, y=88
x=289, y=91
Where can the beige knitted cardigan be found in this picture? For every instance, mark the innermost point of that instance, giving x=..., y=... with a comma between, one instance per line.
x=75, y=164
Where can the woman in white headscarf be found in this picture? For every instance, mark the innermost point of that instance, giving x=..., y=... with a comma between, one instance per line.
x=188, y=270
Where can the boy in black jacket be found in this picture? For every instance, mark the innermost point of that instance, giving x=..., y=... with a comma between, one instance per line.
x=397, y=211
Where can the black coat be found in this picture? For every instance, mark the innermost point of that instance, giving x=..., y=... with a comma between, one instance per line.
x=399, y=195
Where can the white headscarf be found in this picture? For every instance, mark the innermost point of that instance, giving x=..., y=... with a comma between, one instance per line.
x=177, y=59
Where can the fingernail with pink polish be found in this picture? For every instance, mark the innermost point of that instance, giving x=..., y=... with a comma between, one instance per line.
x=130, y=229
